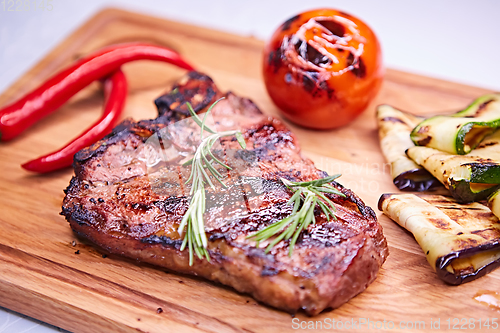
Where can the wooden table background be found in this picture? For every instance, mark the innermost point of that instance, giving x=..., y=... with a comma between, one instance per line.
x=41, y=276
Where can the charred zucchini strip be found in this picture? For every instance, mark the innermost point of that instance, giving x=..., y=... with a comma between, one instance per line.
x=394, y=128
x=461, y=242
x=470, y=177
x=463, y=131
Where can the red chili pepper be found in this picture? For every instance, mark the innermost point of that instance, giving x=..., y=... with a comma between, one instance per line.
x=115, y=94
x=18, y=116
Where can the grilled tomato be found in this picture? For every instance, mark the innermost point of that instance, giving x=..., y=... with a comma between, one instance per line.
x=322, y=68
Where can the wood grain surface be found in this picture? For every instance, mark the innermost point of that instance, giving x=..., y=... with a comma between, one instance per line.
x=42, y=276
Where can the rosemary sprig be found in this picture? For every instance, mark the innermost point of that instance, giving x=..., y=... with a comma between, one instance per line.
x=192, y=222
x=306, y=196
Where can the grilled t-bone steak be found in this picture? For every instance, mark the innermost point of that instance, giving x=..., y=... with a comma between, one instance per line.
x=129, y=207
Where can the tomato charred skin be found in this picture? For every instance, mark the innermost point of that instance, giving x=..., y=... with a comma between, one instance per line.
x=312, y=97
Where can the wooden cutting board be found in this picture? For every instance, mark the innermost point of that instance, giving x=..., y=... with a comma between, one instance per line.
x=42, y=276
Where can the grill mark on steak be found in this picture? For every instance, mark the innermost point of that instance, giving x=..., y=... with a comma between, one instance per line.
x=141, y=207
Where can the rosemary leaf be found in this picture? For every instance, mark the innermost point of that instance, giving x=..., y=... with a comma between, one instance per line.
x=316, y=182
x=197, y=119
x=241, y=140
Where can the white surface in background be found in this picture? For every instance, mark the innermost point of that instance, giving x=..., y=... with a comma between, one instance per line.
x=451, y=39
x=12, y=322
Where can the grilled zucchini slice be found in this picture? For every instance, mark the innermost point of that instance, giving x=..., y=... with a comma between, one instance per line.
x=470, y=177
x=394, y=127
x=494, y=203
x=463, y=131
x=461, y=242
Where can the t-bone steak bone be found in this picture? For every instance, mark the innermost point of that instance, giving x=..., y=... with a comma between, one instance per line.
x=119, y=202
